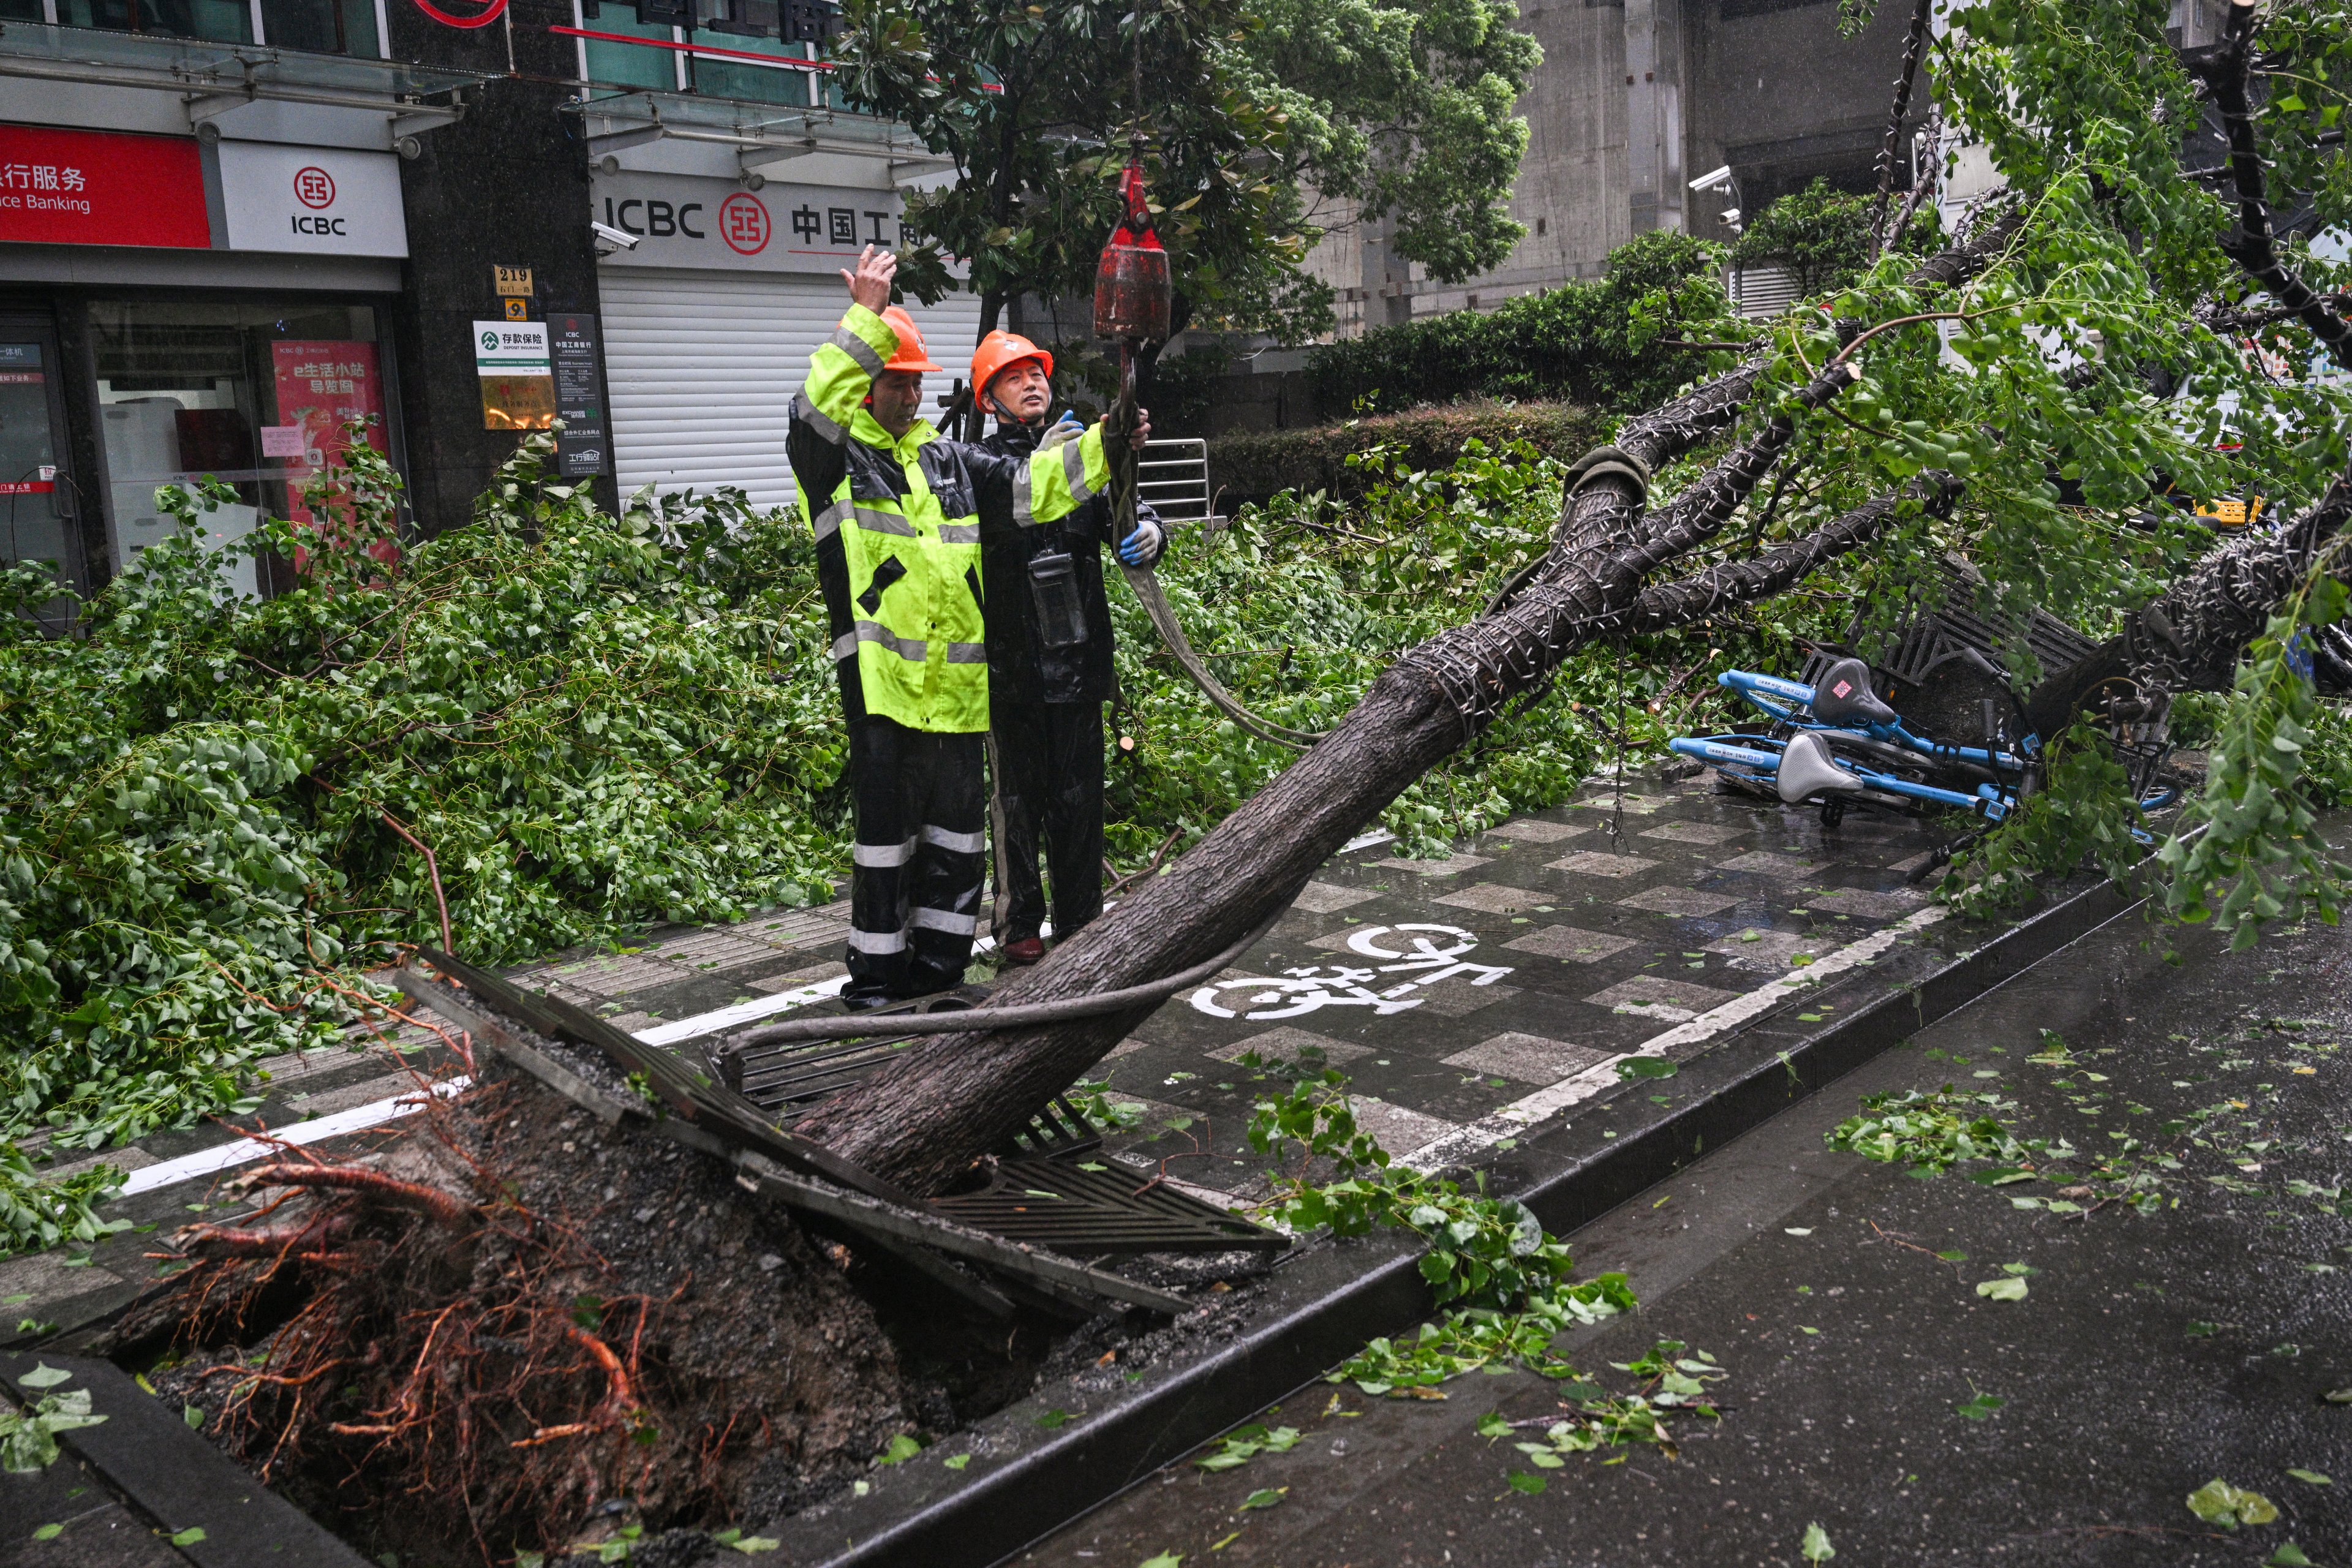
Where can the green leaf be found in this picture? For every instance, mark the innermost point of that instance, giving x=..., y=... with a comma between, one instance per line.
x=2218, y=1502
x=957, y=1462
x=1979, y=1406
x=902, y=1448
x=44, y=1375
x=1053, y=1420
x=189, y=1536
x=752, y=1543
x=1635, y=1068
x=2288, y=1555
x=1521, y=1481
x=1165, y=1559
x=48, y=1532
x=2311, y=1477
x=1816, y=1547
x=1265, y=1497
x=2001, y=1290
x=193, y=1417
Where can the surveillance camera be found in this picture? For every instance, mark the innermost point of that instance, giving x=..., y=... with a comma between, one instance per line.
x=1715, y=179
x=1729, y=217
x=610, y=239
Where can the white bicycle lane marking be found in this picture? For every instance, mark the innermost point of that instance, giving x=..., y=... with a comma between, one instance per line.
x=1307, y=989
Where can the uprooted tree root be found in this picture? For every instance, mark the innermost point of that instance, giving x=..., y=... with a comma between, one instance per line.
x=517, y=1328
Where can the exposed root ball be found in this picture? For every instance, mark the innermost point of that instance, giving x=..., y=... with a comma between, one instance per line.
x=511, y=1321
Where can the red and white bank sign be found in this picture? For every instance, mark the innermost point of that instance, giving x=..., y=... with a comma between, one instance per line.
x=101, y=187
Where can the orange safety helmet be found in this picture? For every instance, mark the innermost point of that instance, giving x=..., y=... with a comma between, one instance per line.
x=910, y=354
x=998, y=352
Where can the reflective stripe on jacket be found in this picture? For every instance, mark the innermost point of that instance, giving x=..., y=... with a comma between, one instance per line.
x=899, y=535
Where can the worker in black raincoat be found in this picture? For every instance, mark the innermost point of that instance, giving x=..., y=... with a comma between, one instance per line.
x=1049, y=668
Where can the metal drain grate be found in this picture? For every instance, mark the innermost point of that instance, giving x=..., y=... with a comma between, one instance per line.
x=1060, y=1204
x=794, y=1078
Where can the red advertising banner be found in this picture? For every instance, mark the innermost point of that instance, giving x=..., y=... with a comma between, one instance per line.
x=320, y=385
x=100, y=188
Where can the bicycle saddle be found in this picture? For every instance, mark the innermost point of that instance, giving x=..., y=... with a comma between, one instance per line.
x=1807, y=770
x=1842, y=696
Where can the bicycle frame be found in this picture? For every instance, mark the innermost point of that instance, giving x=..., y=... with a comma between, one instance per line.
x=1989, y=803
x=1760, y=689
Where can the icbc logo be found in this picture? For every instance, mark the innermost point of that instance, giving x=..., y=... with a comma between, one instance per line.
x=314, y=187
x=743, y=224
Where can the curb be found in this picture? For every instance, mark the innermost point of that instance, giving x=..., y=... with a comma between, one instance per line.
x=1324, y=1307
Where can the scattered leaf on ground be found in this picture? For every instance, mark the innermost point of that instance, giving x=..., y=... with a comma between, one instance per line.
x=2218, y=1502
x=1265, y=1497
x=1979, y=1406
x=2313, y=1476
x=189, y=1536
x=958, y=1463
x=1817, y=1547
x=1523, y=1482
x=2010, y=1289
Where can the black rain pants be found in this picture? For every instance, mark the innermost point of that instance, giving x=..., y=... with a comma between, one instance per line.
x=913, y=892
x=1047, y=760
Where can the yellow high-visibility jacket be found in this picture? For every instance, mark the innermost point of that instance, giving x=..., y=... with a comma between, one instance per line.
x=898, y=526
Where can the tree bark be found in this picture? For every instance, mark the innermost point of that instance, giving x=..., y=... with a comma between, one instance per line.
x=922, y=1119
x=1923, y=16
x=2252, y=244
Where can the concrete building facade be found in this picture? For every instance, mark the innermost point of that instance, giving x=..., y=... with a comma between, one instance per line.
x=1634, y=98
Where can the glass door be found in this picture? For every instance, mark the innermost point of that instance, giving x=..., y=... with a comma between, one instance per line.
x=37, y=500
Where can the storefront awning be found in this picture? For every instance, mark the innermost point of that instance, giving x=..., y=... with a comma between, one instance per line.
x=216, y=76
x=763, y=135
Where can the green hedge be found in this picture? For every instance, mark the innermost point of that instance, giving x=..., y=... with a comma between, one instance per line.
x=1257, y=464
x=1585, y=343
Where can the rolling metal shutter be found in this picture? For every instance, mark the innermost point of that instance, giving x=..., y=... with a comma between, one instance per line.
x=702, y=366
x=1760, y=293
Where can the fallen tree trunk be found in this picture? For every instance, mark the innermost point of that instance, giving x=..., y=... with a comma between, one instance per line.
x=921, y=1120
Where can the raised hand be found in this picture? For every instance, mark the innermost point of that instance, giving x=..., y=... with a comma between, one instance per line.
x=869, y=284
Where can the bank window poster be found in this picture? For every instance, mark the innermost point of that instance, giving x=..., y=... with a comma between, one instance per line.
x=517, y=375
x=322, y=385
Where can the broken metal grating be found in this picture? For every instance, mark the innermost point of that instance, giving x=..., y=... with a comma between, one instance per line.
x=799, y=1076
x=1088, y=1210
x=1929, y=639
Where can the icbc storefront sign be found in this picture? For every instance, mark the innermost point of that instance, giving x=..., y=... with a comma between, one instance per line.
x=101, y=187
x=685, y=220
x=316, y=201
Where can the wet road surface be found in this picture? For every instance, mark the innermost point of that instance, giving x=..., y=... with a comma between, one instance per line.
x=2151, y=1352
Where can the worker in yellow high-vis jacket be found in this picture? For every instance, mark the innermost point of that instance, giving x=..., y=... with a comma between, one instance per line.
x=898, y=512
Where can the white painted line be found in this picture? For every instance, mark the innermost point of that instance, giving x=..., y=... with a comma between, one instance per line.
x=245, y=1151
x=703, y=1024
x=1510, y=1120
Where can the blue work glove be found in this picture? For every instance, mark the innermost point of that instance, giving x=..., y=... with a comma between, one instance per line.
x=1069, y=427
x=1143, y=547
